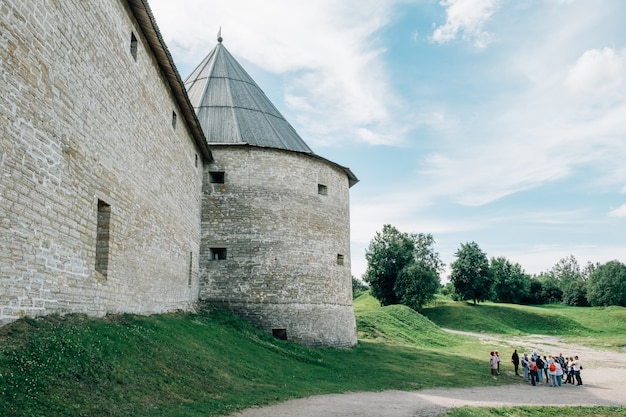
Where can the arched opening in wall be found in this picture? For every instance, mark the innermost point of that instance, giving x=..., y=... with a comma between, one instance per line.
x=103, y=238
x=280, y=334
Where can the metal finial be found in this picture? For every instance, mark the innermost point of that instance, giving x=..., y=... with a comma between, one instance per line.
x=219, y=35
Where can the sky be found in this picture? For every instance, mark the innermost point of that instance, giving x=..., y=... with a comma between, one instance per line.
x=500, y=122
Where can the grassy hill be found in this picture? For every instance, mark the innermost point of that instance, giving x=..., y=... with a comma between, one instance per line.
x=212, y=363
x=593, y=326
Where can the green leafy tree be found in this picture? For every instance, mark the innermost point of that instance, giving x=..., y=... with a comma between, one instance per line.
x=387, y=254
x=570, y=280
x=425, y=251
x=551, y=291
x=403, y=268
x=511, y=283
x=535, y=294
x=416, y=285
x=470, y=273
x=607, y=285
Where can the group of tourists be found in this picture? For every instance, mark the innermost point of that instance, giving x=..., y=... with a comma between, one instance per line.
x=535, y=368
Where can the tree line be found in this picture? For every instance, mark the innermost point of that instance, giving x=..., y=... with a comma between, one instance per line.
x=404, y=268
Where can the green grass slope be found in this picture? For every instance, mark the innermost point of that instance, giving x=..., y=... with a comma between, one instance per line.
x=212, y=363
x=593, y=326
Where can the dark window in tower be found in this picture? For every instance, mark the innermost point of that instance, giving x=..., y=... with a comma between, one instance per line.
x=216, y=177
x=280, y=334
x=103, y=238
x=173, y=119
x=322, y=189
x=218, y=254
x=133, y=46
x=339, y=259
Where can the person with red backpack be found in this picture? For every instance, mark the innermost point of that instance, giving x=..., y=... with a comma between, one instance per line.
x=551, y=371
x=559, y=373
x=539, y=363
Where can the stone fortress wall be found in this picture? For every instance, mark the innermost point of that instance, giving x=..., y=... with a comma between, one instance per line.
x=284, y=220
x=87, y=129
x=107, y=200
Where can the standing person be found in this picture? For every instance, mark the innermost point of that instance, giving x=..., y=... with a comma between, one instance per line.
x=539, y=363
x=576, y=366
x=545, y=367
x=570, y=371
x=552, y=371
x=498, y=359
x=515, y=360
x=493, y=365
x=525, y=365
x=559, y=374
x=532, y=368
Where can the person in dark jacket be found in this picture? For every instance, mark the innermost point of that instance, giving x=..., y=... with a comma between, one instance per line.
x=515, y=360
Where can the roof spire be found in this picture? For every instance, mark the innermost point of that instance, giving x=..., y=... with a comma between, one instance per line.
x=219, y=35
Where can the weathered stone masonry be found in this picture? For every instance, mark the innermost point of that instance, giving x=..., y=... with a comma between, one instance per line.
x=112, y=201
x=287, y=243
x=84, y=121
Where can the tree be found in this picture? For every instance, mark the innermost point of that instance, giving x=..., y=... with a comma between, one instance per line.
x=607, y=285
x=511, y=283
x=402, y=268
x=551, y=291
x=425, y=252
x=470, y=273
x=416, y=285
x=536, y=289
x=388, y=253
x=570, y=280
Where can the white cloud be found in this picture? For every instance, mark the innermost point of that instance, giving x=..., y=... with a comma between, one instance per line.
x=598, y=72
x=465, y=17
x=618, y=212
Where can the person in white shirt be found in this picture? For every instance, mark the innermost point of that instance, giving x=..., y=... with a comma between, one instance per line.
x=576, y=366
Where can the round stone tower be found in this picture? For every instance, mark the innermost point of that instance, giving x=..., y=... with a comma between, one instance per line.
x=275, y=244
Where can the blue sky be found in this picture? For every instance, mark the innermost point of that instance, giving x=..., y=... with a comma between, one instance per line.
x=501, y=122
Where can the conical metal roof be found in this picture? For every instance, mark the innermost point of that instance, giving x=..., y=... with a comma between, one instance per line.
x=232, y=108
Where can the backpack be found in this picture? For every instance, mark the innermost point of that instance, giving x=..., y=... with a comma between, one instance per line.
x=539, y=363
x=552, y=367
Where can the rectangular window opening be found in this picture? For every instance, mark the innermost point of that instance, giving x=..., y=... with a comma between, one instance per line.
x=103, y=238
x=322, y=189
x=280, y=334
x=133, y=46
x=196, y=160
x=218, y=254
x=190, y=269
x=173, y=120
x=216, y=177
x=339, y=259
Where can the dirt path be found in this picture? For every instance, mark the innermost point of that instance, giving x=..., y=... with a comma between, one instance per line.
x=604, y=379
